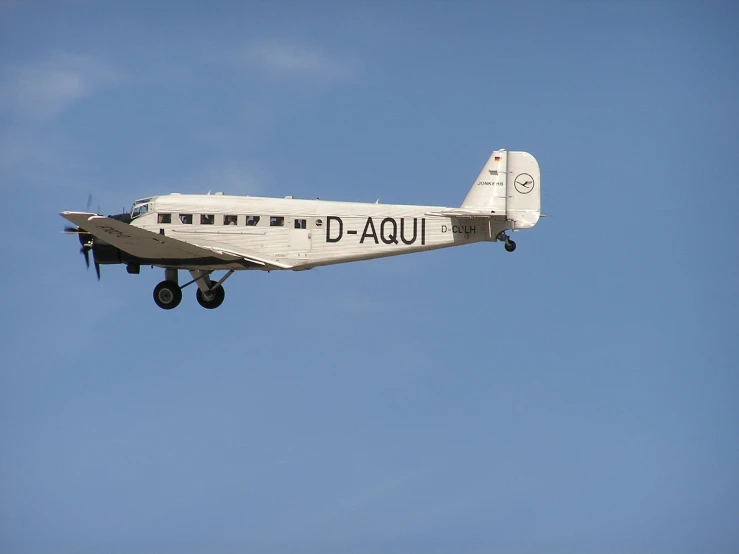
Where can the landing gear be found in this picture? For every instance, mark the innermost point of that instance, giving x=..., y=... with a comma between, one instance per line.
x=510, y=246
x=167, y=295
x=212, y=298
x=210, y=295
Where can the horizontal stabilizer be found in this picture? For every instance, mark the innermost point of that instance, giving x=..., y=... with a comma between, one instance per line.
x=467, y=213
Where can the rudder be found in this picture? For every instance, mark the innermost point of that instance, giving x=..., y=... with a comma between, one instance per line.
x=524, y=190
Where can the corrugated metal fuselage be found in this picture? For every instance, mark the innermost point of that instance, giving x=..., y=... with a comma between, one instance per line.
x=309, y=233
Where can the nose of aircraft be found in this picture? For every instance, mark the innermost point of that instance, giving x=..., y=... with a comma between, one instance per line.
x=87, y=241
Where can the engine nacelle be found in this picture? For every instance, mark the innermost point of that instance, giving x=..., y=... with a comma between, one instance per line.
x=104, y=253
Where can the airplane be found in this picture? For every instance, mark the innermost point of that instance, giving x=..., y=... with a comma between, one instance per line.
x=203, y=233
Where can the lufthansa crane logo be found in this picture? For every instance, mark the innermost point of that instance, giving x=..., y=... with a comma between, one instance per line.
x=524, y=183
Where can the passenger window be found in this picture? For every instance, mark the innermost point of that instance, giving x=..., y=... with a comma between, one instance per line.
x=164, y=218
x=207, y=219
x=252, y=220
x=276, y=221
x=186, y=219
x=230, y=219
x=301, y=224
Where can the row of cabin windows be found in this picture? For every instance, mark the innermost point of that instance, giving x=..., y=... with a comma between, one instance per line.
x=250, y=220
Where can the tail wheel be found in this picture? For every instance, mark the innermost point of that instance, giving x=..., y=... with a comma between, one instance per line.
x=212, y=299
x=510, y=246
x=167, y=295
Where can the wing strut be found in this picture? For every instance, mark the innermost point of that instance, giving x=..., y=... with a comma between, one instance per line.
x=223, y=279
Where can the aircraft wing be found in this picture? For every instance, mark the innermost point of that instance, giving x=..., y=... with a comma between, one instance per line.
x=467, y=212
x=152, y=246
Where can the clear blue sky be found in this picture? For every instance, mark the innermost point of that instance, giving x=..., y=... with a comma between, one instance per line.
x=578, y=396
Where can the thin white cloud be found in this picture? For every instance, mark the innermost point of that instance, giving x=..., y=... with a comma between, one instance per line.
x=44, y=89
x=286, y=59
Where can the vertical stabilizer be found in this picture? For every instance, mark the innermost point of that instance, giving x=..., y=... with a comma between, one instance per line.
x=510, y=185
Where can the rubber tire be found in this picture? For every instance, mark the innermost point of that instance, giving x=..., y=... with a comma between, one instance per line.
x=218, y=298
x=510, y=246
x=175, y=294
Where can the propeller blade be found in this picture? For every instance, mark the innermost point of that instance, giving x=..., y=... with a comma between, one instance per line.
x=86, y=253
x=86, y=240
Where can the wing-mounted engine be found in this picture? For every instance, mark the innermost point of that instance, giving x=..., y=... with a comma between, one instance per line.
x=103, y=253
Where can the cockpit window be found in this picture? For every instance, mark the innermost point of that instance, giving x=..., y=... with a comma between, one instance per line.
x=139, y=210
x=140, y=207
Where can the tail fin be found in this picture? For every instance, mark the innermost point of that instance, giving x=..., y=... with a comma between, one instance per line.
x=509, y=184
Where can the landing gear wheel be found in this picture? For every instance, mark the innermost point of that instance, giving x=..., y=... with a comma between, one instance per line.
x=212, y=299
x=510, y=246
x=167, y=295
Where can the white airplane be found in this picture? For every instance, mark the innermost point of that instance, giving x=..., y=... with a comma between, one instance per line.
x=206, y=233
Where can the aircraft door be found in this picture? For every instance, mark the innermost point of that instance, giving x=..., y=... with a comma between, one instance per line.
x=300, y=234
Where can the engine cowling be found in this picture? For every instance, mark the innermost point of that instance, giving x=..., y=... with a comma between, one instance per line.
x=104, y=253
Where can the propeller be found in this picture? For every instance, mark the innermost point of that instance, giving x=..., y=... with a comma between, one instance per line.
x=85, y=238
x=100, y=250
x=85, y=251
